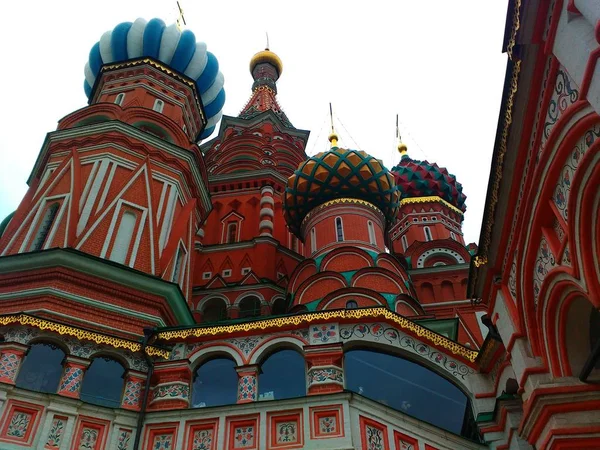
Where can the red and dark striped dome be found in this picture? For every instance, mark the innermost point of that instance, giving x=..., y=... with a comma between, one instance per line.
x=424, y=179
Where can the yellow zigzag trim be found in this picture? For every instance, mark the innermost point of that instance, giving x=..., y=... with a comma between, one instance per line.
x=80, y=334
x=370, y=313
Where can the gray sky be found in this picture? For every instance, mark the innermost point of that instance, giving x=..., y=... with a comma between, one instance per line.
x=438, y=64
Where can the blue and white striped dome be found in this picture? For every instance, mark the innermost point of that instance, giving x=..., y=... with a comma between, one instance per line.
x=179, y=50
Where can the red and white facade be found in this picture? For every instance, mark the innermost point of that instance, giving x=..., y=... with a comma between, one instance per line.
x=136, y=247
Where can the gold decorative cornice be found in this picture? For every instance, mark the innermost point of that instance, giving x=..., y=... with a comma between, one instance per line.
x=480, y=261
x=516, y=24
x=340, y=201
x=378, y=313
x=432, y=198
x=496, y=176
x=24, y=319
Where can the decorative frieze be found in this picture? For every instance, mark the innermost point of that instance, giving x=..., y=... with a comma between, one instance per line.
x=384, y=334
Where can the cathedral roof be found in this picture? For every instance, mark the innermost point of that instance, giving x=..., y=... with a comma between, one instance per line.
x=335, y=174
x=167, y=44
x=424, y=179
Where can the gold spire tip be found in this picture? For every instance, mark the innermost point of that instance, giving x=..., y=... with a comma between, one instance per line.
x=402, y=148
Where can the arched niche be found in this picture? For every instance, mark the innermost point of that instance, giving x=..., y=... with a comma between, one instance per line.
x=152, y=128
x=282, y=375
x=42, y=368
x=214, y=310
x=249, y=307
x=103, y=382
x=215, y=383
x=91, y=120
x=408, y=387
x=279, y=307
x=581, y=334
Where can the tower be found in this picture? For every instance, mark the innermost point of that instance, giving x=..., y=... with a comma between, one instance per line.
x=428, y=234
x=245, y=242
x=120, y=188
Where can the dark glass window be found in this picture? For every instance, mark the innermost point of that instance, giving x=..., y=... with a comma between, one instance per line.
x=250, y=307
x=41, y=369
x=351, y=304
x=595, y=332
x=44, y=228
x=282, y=376
x=407, y=387
x=215, y=383
x=214, y=310
x=339, y=230
x=103, y=383
x=278, y=307
x=231, y=232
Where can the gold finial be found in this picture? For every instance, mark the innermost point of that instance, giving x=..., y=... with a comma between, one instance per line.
x=266, y=56
x=333, y=137
x=180, y=18
x=402, y=148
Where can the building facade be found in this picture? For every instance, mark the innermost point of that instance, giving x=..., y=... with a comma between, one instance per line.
x=164, y=290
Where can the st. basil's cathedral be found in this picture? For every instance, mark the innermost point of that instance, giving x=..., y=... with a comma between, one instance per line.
x=176, y=278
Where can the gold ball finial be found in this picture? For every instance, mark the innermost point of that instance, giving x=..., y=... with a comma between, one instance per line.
x=333, y=138
x=402, y=148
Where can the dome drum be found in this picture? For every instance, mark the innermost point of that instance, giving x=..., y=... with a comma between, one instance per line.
x=344, y=222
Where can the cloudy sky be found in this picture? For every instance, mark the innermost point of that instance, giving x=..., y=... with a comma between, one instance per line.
x=437, y=64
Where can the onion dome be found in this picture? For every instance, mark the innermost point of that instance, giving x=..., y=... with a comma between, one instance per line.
x=266, y=56
x=339, y=173
x=167, y=44
x=423, y=179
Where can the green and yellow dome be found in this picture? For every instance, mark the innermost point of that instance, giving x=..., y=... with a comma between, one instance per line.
x=335, y=174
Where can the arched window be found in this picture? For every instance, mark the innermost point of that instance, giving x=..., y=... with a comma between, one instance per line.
x=295, y=244
x=351, y=304
x=158, y=105
x=407, y=387
x=339, y=229
x=278, y=307
x=371, y=229
x=452, y=235
x=231, y=232
x=42, y=368
x=215, y=383
x=250, y=307
x=313, y=240
x=44, y=228
x=214, y=310
x=119, y=99
x=404, y=242
x=123, y=240
x=283, y=375
x=179, y=269
x=427, y=234
x=103, y=383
